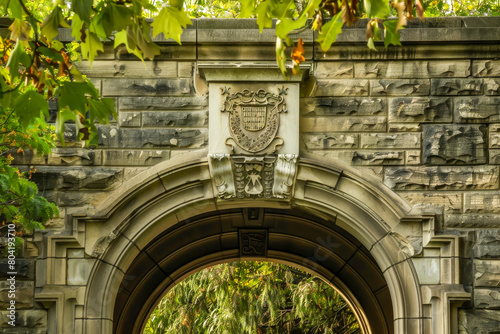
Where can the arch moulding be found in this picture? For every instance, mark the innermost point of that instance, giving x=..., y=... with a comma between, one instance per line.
x=178, y=192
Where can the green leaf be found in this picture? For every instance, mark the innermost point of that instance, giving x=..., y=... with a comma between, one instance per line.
x=49, y=53
x=330, y=31
x=16, y=9
x=391, y=33
x=371, y=44
x=377, y=8
x=82, y=8
x=72, y=95
x=101, y=109
x=91, y=47
x=29, y=105
x=20, y=30
x=17, y=56
x=116, y=17
x=247, y=8
x=264, y=19
x=170, y=22
x=280, y=56
x=63, y=116
x=52, y=22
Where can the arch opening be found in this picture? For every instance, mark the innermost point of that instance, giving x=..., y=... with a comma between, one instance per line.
x=291, y=237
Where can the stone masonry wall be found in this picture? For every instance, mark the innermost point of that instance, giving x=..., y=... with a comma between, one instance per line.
x=423, y=118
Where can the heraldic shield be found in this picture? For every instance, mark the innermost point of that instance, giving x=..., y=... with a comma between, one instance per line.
x=253, y=117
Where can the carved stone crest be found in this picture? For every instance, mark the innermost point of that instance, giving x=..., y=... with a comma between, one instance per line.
x=254, y=118
x=253, y=242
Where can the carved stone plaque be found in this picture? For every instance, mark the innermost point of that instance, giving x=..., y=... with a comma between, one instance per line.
x=254, y=117
x=253, y=242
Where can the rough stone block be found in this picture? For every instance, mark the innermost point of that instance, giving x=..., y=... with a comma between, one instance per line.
x=412, y=69
x=492, y=86
x=163, y=103
x=185, y=69
x=404, y=127
x=129, y=119
x=129, y=69
x=452, y=203
x=78, y=271
x=387, y=140
x=487, y=298
x=399, y=87
x=487, y=243
x=494, y=139
x=27, y=322
x=413, y=157
x=334, y=70
x=343, y=123
x=134, y=158
x=456, y=86
x=442, y=178
x=343, y=106
x=75, y=157
x=477, y=109
x=49, y=178
x=494, y=157
x=384, y=158
x=342, y=87
x=340, y=155
x=24, y=291
x=486, y=273
x=479, y=321
x=482, y=202
x=147, y=87
x=320, y=141
x=471, y=220
x=454, y=144
x=175, y=118
x=486, y=68
x=141, y=138
x=419, y=110
x=24, y=269
x=80, y=198
x=27, y=157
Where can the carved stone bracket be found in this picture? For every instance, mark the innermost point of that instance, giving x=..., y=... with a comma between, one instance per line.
x=253, y=176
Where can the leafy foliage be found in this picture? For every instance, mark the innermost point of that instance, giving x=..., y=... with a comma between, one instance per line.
x=252, y=297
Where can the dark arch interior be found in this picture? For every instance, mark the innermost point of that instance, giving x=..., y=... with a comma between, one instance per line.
x=252, y=233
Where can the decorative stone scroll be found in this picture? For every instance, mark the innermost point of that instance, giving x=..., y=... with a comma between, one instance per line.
x=253, y=176
x=254, y=118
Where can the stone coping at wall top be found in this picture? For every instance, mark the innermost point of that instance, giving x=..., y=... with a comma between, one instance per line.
x=231, y=31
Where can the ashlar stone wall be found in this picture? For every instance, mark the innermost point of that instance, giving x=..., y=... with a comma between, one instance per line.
x=424, y=119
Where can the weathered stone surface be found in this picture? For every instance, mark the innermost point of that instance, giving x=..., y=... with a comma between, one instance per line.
x=26, y=157
x=487, y=243
x=492, y=86
x=486, y=68
x=325, y=124
x=129, y=118
x=342, y=87
x=80, y=198
x=175, y=118
x=27, y=322
x=343, y=106
x=482, y=202
x=344, y=156
x=384, y=158
x=471, y=220
x=142, y=138
x=494, y=157
x=442, y=178
x=494, y=139
x=24, y=269
x=479, y=321
x=451, y=202
x=399, y=87
x=486, y=273
x=476, y=109
x=454, y=144
x=51, y=177
x=185, y=69
x=412, y=69
x=128, y=69
x=163, y=103
x=487, y=298
x=329, y=141
x=334, y=70
x=147, y=87
x=134, y=158
x=75, y=156
x=456, y=86
x=413, y=157
x=24, y=291
x=387, y=140
x=404, y=127
x=420, y=109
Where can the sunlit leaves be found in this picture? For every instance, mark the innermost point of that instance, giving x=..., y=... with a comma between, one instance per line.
x=116, y=17
x=330, y=31
x=247, y=8
x=91, y=46
x=138, y=41
x=280, y=56
x=298, y=55
x=82, y=8
x=170, y=22
x=17, y=56
x=377, y=8
x=29, y=106
x=52, y=22
x=391, y=33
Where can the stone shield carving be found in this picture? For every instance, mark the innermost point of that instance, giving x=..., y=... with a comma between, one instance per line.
x=254, y=117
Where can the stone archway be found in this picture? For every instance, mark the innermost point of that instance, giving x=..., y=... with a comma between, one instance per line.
x=328, y=199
